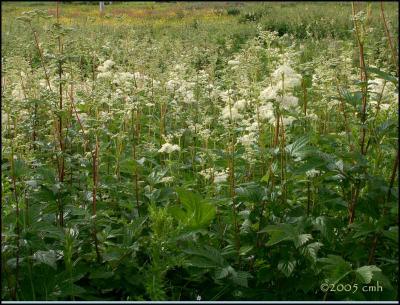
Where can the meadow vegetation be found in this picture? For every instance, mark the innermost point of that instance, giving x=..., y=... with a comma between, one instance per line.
x=199, y=151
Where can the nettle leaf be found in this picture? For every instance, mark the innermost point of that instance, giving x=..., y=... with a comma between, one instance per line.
x=252, y=193
x=301, y=239
x=100, y=274
x=378, y=276
x=46, y=230
x=324, y=225
x=128, y=166
x=68, y=289
x=366, y=273
x=245, y=249
x=383, y=75
x=196, y=213
x=277, y=234
x=189, y=199
x=224, y=272
x=46, y=257
x=284, y=232
x=298, y=149
x=206, y=255
x=352, y=98
x=202, y=262
x=241, y=278
x=311, y=250
x=287, y=267
x=20, y=168
x=335, y=268
x=363, y=229
x=392, y=233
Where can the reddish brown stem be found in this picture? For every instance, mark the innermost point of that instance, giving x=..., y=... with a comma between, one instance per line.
x=364, y=80
x=392, y=49
x=41, y=58
x=94, y=199
x=15, y=193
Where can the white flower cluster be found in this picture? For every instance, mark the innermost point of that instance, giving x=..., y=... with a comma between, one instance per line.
x=207, y=173
x=167, y=179
x=18, y=93
x=266, y=112
x=169, y=148
x=221, y=177
x=286, y=75
x=217, y=176
x=382, y=91
x=312, y=173
x=181, y=88
x=123, y=79
x=247, y=140
x=232, y=112
x=284, y=79
x=233, y=62
x=105, y=68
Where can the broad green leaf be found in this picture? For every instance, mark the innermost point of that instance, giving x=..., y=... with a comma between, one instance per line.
x=68, y=289
x=365, y=273
x=378, y=276
x=277, y=236
x=241, y=278
x=100, y=274
x=202, y=262
x=224, y=272
x=383, y=75
x=128, y=166
x=196, y=213
x=46, y=257
x=301, y=239
x=335, y=268
x=392, y=233
x=189, y=199
x=363, y=229
x=245, y=249
x=20, y=168
x=287, y=267
x=352, y=98
x=298, y=149
x=311, y=250
x=209, y=255
x=284, y=232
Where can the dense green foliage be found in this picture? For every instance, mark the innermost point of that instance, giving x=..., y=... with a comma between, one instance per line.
x=213, y=152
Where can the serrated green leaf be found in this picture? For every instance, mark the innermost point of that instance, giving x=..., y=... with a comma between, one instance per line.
x=311, y=250
x=46, y=257
x=298, y=149
x=301, y=239
x=241, y=278
x=335, y=268
x=392, y=233
x=196, y=213
x=287, y=267
x=383, y=75
x=224, y=272
x=210, y=257
x=100, y=274
x=365, y=273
